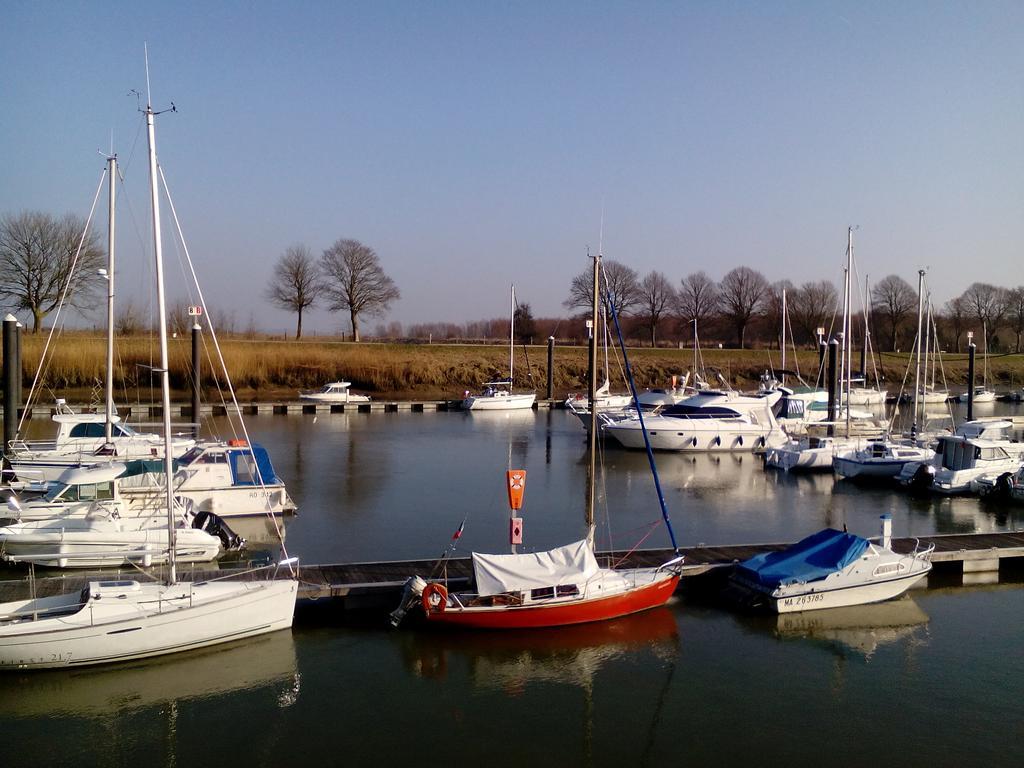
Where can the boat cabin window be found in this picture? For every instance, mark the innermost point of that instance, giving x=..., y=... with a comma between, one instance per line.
x=86, y=492
x=245, y=469
x=199, y=456
x=542, y=593
x=567, y=590
x=96, y=430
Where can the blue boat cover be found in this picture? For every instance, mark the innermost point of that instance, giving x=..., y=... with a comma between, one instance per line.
x=242, y=470
x=811, y=559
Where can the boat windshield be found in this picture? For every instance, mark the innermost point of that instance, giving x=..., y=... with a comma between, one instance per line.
x=682, y=410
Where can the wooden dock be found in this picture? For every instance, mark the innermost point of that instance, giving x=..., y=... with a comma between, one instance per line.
x=974, y=558
x=184, y=410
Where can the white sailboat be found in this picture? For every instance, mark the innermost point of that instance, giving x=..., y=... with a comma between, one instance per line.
x=498, y=395
x=982, y=395
x=110, y=621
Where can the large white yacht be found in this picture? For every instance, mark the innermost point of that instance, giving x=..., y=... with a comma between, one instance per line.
x=709, y=421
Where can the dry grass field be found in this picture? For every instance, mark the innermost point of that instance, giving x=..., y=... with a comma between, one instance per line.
x=271, y=369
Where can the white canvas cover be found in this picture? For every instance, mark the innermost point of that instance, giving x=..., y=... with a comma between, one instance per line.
x=572, y=564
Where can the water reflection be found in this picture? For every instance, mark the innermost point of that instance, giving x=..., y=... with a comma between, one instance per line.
x=860, y=629
x=510, y=661
x=247, y=666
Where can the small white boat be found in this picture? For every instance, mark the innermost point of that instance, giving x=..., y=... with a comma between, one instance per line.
x=979, y=448
x=982, y=395
x=807, y=453
x=1007, y=486
x=498, y=395
x=335, y=392
x=831, y=569
x=80, y=542
x=881, y=459
x=80, y=440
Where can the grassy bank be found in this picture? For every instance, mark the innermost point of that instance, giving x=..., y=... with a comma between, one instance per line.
x=266, y=368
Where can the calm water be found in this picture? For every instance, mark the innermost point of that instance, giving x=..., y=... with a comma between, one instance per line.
x=933, y=680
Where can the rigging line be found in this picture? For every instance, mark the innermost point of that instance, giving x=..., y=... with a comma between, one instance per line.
x=220, y=355
x=643, y=428
x=63, y=298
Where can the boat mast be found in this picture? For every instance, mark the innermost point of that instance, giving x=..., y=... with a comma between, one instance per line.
x=917, y=351
x=108, y=428
x=511, y=338
x=592, y=395
x=783, y=342
x=165, y=385
x=847, y=323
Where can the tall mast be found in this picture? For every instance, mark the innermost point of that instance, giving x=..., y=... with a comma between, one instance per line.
x=511, y=338
x=917, y=351
x=847, y=367
x=783, y=342
x=592, y=395
x=165, y=385
x=108, y=428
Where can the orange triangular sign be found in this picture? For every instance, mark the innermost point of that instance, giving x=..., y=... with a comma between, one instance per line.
x=516, y=487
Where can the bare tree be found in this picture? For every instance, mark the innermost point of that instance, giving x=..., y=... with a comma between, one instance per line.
x=37, y=262
x=773, y=307
x=295, y=284
x=618, y=278
x=526, y=328
x=697, y=298
x=354, y=281
x=743, y=291
x=955, y=315
x=657, y=297
x=892, y=302
x=813, y=303
x=1015, y=313
x=986, y=304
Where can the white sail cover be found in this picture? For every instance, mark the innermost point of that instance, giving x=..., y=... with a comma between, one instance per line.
x=571, y=564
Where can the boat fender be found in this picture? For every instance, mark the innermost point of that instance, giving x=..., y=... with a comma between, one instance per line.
x=434, y=598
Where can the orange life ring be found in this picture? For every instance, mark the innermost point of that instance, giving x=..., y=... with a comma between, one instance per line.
x=237, y=443
x=434, y=598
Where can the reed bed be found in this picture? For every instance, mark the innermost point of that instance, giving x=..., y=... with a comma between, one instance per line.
x=272, y=367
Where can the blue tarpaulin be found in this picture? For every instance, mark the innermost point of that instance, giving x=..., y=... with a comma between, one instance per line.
x=242, y=470
x=810, y=559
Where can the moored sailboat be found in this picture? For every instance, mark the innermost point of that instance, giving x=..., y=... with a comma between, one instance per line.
x=557, y=587
x=116, y=620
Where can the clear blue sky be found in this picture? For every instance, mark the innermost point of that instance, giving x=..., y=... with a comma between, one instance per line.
x=476, y=144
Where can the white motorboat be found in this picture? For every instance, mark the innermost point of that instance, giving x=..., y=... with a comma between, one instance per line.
x=81, y=440
x=1007, y=486
x=979, y=448
x=808, y=453
x=881, y=459
x=831, y=569
x=709, y=421
x=117, y=620
x=334, y=392
x=498, y=395
x=94, y=542
x=227, y=480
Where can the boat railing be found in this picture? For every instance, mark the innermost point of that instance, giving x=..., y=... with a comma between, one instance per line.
x=923, y=554
x=676, y=563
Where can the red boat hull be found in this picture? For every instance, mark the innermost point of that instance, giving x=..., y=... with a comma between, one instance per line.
x=560, y=614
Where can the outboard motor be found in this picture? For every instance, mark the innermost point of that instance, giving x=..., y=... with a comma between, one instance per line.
x=411, y=594
x=215, y=526
x=923, y=478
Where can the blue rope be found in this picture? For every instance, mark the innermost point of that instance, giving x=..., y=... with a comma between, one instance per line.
x=643, y=428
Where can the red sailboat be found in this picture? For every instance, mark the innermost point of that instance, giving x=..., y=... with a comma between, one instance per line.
x=557, y=587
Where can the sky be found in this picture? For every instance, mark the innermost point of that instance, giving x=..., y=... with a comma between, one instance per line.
x=474, y=145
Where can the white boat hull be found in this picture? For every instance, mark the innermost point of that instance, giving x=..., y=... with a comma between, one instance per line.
x=815, y=599
x=499, y=402
x=75, y=548
x=133, y=621
x=698, y=436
